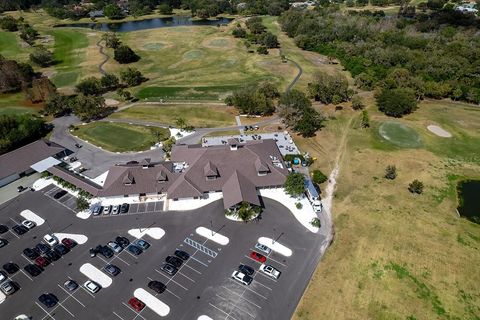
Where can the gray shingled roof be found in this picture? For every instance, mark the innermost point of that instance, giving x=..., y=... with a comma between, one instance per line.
x=76, y=180
x=237, y=189
x=20, y=160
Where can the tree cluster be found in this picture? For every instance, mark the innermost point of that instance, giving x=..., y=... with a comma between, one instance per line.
x=329, y=88
x=86, y=107
x=295, y=184
x=124, y=54
x=15, y=76
x=254, y=100
x=434, y=53
x=258, y=35
x=42, y=57
x=19, y=130
x=27, y=32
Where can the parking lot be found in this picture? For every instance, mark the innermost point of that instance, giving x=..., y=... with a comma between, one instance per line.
x=68, y=200
x=137, y=208
x=202, y=285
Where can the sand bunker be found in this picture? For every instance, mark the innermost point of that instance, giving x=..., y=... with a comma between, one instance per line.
x=111, y=102
x=439, y=131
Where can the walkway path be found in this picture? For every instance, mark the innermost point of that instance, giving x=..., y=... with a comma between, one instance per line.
x=106, y=57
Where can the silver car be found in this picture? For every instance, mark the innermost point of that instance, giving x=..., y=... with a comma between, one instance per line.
x=263, y=248
x=7, y=287
x=115, y=246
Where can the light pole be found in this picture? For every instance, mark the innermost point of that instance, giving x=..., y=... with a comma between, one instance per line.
x=211, y=226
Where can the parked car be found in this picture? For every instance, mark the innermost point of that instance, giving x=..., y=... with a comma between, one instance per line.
x=242, y=277
x=21, y=188
x=157, y=286
x=136, y=304
x=112, y=269
x=11, y=267
x=52, y=255
x=42, y=262
x=93, y=252
x=61, y=249
x=169, y=269
x=33, y=270
x=182, y=255
x=270, y=271
x=42, y=248
x=71, y=285
x=124, y=208
x=30, y=253
x=134, y=249
x=174, y=261
x=29, y=224
x=243, y=268
x=48, y=299
x=96, y=210
x=91, y=286
x=19, y=229
x=122, y=241
x=50, y=239
x=104, y=251
x=3, y=229
x=3, y=276
x=116, y=209
x=107, y=209
x=7, y=287
x=144, y=245
x=69, y=243
x=3, y=243
x=258, y=257
x=263, y=248
x=59, y=194
x=115, y=246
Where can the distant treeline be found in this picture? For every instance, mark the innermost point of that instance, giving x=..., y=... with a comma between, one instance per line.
x=432, y=53
x=19, y=130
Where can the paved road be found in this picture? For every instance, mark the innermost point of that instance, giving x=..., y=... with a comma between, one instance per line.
x=95, y=159
x=202, y=287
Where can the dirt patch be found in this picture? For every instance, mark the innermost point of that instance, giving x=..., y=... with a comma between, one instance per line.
x=439, y=131
x=111, y=102
x=91, y=34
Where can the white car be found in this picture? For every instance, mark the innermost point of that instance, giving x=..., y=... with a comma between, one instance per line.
x=116, y=210
x=270, y=271
x=91, y=286
x=50, y=239
x=242, y=277
x=3, y=277
x=115, y=247
x=28, y=224
x=263, y=248
x=107, y=209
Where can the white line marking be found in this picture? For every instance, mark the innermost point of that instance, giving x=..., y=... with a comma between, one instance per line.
x=171, y=279
x=199, y=261
x=48, y=314
x=247, y=288
x=268, y=288
x=265, y=276
x=134, y=311
x=235, y=306
x=173, y=294
x=14, y=233
x=71, y=295
x=228, y=316
x=186, y=277
x=26, y=275
x=117, y=315
x=61, y=305
x=186, y=265
x=241, y=297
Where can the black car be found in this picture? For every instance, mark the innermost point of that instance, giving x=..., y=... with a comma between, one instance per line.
x=182, y=254
x=157, y=286
x=122, y=241
x=246, y=269
x=11, y=267
x=33, y=269
x=31, y=254
x=112, y=269
x=93, y=252
x=48, y=299
x=61, y=249
x=42, y=248
x=3, y=229
x=52, y=255
x=59, y=194
x=124, y=208
x=3, y=243
x=134, y=249
x=104, y=251
x=177, y=262
x=19, y=229
x=169, y=269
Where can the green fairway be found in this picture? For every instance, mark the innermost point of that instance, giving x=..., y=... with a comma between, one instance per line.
x=15, y=103
x=9, y=47
x=199, y=116
x=121, y=137
x=185, y=93
x=400, y=135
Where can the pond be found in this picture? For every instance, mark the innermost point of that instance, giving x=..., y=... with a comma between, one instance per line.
x=469, y=203
x=147, y=24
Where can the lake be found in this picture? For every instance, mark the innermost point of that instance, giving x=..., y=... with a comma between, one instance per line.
x=469, y=195
x=147, y=24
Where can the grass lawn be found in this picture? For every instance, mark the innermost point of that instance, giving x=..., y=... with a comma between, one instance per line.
x=121, y=137
x=15, y=103
x=199, y=116
x=398, y=255
x=10, y=46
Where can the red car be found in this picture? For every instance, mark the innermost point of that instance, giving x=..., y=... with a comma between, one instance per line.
x=69, y=243
x=257, y=256
x=136, y=304
x=41, y=262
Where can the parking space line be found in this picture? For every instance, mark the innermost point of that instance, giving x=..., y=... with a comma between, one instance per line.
x=118, y=257
x=13, y=233
x=98, y=255
x=186, y=277
x=186, y=265
x=268, y=288
x=241, y=297
x=130, y=254
x=134, y=311
x=61, y=305
x=173, y=294
x=199, y=261
x=48, y=314
x=91, y=295
x=283, y=265
x=117, y=315
x=16, y=222
x=26, y=275
x=258, y=294
x=171, y=279
x=234, y=306
x=265, y=276
x=71, y=295
x=228, y=315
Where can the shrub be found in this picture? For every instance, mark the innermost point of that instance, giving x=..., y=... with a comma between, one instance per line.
x=294, y=185
x=396, y=102
x=315, y=222
x=124, y=54
x=416, y=186
x=318, y=177
x=298, y=205
x=82, y=204
x=391, y=172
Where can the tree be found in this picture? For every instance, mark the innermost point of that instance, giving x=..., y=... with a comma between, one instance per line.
x=396, y=102
x=124, y=54
x=164, y=8
x=239, y=32
x=112, y=11
x=131, y=77
x=357, y=103
x=329, y=88
x=82, y=204
x=416, y=186
x=391, y=172
x=268, y=89
x=19, y=130
x=251, y=101
x=318, y=177
x=42, y=57
x=310, y=122
x=111, y=40
x=89, y=86
x=28, y=34
x=180, y=122
x=291, y=106
x=262, y=50
x=109, y=82
x=365, y=119
x=9, y=23
x=168, y=144
x=57, y=105
x=294, y=185
x=88, y=107
x=247, y=211
x=269, y=40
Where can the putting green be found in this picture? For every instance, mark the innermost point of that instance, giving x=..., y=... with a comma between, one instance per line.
x=193, y=54
x=154, y=46
x=219, y=42
x=400, y=134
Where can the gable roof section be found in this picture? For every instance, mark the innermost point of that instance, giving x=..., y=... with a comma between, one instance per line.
x=183, y=188
x=210, y=170
x=238, y=189
x=79, y=181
